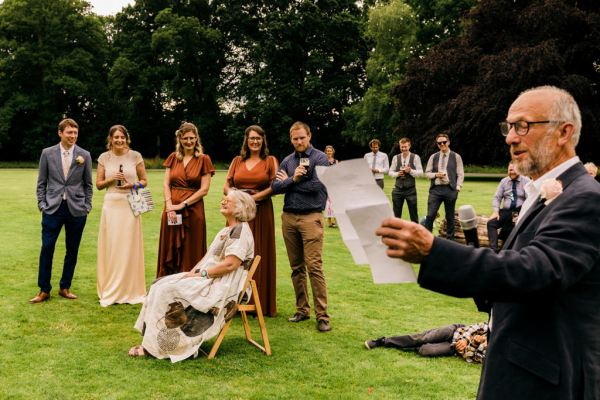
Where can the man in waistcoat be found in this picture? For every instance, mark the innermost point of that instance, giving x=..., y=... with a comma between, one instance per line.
x=406, y=166
x=506, y=204
x=446, y=172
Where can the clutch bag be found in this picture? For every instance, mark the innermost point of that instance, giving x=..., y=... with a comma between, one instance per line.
x=140, y=200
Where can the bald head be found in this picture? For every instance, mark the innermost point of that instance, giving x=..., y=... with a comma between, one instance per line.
x=558, y=105
x=545, y=124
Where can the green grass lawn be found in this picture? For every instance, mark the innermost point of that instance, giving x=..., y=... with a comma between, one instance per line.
x=78, y=350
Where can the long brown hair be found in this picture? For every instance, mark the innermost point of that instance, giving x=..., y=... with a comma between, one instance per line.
x=264, y=149
x=111, y=132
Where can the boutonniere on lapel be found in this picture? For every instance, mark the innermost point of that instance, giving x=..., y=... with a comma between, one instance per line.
x=550, y=190
x=79, y=160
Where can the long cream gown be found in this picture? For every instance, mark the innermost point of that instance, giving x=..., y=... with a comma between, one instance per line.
x=120, y=240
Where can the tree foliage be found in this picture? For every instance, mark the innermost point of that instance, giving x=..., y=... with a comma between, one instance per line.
x=53, y=60
x=372, y=68
x=465, y=85
x=167, y=69
x=292, y=60
x=399, y=30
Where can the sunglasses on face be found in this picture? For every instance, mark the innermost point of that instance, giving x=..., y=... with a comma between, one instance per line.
x=442, y=143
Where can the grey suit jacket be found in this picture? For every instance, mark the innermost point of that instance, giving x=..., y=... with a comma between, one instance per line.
x=545, y=290
x=51, y=183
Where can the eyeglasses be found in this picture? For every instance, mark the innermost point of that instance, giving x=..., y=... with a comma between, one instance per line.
x=521, y=127
x=442, y=143
x=255, y=139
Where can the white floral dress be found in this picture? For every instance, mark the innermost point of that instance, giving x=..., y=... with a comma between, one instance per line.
x=180, y=313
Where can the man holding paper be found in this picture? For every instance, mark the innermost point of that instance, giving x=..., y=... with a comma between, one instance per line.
x=302, y=223
x=544, y=285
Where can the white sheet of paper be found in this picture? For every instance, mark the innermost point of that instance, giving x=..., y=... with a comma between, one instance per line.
x=179, y=220
x=350, y=238
x=384, y=269
x=355, y=195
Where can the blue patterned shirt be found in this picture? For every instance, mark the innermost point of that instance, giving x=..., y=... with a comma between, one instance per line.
x=308, y=194
x=504, y=194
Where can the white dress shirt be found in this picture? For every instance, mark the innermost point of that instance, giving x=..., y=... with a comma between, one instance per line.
x=533, y=188
x=382, y=163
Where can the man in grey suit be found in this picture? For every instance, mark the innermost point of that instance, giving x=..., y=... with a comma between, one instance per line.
x=64, y=194
x=544, y=285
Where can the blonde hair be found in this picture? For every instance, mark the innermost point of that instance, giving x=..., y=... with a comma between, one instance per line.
x=300, y=125
x=184, y=128
x=591, y=168
x=245, y=206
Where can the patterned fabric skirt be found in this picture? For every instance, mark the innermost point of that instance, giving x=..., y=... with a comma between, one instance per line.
x=180, y=313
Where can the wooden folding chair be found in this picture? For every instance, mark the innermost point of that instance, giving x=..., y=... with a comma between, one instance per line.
x=243, y=308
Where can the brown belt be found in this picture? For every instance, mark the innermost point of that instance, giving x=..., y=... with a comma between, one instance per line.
x=183, y=188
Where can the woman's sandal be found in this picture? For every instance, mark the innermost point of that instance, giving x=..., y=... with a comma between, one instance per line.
x=137, y=351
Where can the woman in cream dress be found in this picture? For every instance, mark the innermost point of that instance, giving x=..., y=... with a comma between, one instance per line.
x=120, y=241
x=185, y=309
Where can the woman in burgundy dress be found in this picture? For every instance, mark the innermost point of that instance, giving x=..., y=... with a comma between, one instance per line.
x=182, y=240
x=253, y=171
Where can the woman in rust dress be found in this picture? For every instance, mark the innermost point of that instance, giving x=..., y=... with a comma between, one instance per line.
x=182, y=240
x=253, y=171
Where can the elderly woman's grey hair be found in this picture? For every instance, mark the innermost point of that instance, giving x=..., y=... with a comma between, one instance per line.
x=245, y=206
x=591, y=168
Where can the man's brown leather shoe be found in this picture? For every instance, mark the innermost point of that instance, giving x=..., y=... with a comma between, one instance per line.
x=40, y=297
x=67, y=294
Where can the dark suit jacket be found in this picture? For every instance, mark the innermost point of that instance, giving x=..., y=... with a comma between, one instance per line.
x=51, y=183
x=545, y=290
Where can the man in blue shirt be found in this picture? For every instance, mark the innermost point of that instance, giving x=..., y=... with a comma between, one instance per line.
x=506, y=203
x=302, y=223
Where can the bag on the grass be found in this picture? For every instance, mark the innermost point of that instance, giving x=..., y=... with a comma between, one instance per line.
x=140, y=200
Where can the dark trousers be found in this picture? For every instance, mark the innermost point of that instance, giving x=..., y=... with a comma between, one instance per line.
x=439, y=194
x=408, y=194
x=431, y=343
x=379, y=182
x=505, y=223
x=51, y=227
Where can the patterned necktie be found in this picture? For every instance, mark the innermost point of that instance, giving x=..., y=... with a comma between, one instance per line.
x=374, y=159
x=65, y=163
x=444, y=161
x=513, y=200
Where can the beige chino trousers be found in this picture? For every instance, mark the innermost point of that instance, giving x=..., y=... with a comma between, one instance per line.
x=303, y=236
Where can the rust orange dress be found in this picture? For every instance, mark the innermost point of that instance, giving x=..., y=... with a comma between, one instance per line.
x=180, y=247
x=263, y=225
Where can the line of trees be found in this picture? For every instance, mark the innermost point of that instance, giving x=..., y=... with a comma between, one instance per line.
x=352, y=70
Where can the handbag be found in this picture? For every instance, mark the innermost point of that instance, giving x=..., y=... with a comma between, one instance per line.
x=140, y=200
x=175, y=315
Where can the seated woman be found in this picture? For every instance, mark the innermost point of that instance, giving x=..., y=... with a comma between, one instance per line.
x=183, y=310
